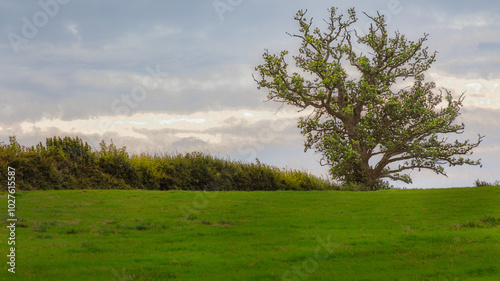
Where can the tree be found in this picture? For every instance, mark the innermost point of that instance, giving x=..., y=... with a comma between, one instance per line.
x=374, y=115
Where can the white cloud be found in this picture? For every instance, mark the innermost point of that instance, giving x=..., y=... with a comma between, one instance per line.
x=470, y=21
x=187, y=120
x=66, y=79
x=479, y=92
x=73, y=29
x=195, y=123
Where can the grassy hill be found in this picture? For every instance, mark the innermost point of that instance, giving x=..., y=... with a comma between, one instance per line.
x=439, y=234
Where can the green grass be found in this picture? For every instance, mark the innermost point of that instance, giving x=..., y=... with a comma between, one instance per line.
x=441, y=234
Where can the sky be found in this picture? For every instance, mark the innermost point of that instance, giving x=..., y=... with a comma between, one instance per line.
x=176, y=76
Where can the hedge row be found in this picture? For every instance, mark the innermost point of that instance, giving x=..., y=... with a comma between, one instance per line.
x=70, y=163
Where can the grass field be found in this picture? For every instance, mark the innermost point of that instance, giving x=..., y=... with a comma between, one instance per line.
x=437, y=234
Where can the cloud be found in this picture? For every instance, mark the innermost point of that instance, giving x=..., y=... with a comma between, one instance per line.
x=479, y=92
x=84, y=93
x=189, y=143
x=472, y=20
x=163, y=75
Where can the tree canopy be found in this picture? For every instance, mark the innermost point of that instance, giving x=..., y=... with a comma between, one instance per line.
x=373, y=114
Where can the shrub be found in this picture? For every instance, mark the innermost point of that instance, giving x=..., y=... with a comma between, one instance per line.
x=70, y=163
x=479, y=183
x=379, y=185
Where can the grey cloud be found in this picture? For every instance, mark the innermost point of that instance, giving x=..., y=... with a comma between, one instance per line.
x=56, y=95
x=190, y=144
x=208, y=65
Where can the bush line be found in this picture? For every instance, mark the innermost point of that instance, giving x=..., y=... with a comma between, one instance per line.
x=71, y=163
